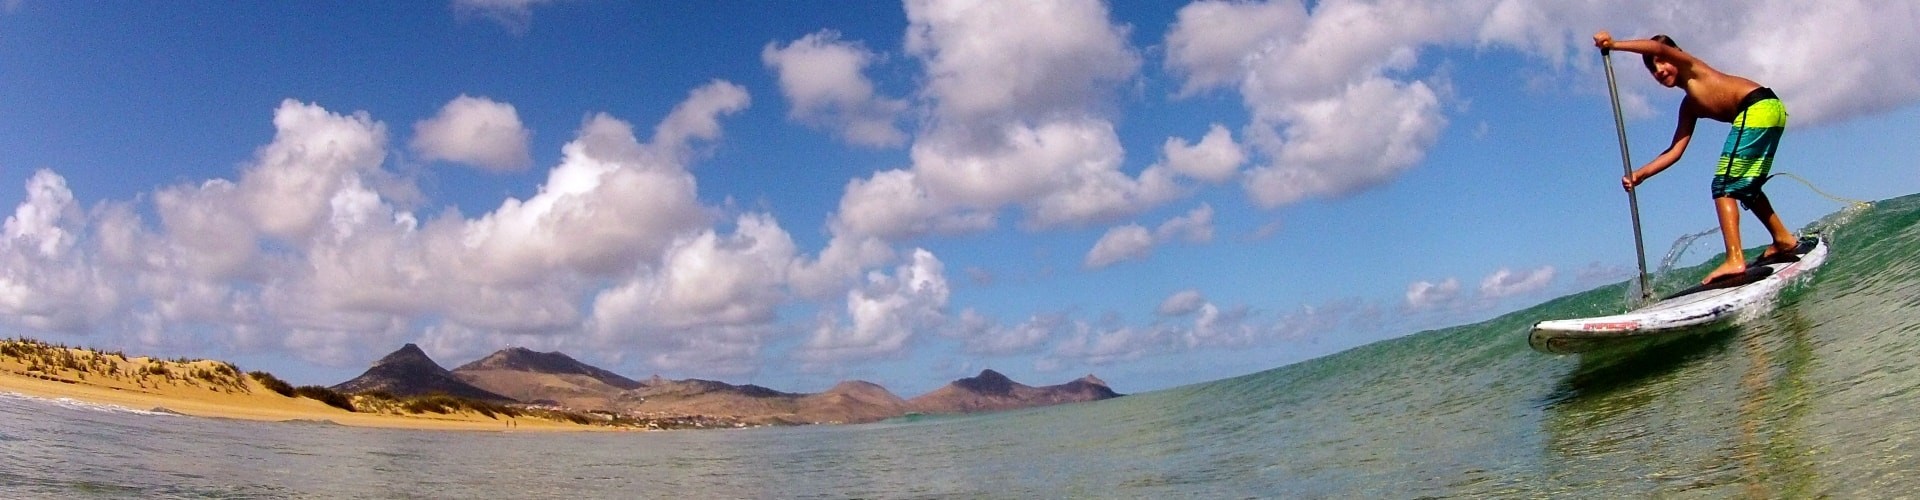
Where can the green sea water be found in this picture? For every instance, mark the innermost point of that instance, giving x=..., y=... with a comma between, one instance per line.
x=1814, y=400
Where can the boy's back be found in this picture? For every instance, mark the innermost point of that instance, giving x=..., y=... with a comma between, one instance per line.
x=1714, y=94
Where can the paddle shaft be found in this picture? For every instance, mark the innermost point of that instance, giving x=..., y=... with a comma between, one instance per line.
x=1626, y=165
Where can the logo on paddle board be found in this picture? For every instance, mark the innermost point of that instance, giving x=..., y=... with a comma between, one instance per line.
x=1612, y=326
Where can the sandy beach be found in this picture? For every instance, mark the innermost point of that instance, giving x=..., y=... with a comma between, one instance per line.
x=205, y=388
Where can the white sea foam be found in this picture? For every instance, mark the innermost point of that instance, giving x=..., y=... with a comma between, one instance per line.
x=80, y=405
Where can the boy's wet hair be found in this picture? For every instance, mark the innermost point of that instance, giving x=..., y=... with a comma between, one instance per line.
x=1648, y=58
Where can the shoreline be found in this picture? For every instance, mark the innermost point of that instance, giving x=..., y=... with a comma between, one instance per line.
x=212, y=389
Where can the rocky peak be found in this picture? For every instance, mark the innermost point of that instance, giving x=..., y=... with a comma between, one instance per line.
x=987, y=382
x=858, y=388
x=409, y=354
x=410, y=372
x=522, y=359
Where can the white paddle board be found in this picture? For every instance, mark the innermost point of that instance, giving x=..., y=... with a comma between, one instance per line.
x=1721, y=303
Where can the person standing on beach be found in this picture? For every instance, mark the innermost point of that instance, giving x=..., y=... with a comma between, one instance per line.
x=1758, y=118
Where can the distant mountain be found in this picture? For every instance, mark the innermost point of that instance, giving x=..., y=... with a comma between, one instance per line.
x=709, y=397
x=852, y=401
x=549, y=377
x=409, y=372
x=694, y=388
x=517, y=374
x=991, y=391
x=552, y=363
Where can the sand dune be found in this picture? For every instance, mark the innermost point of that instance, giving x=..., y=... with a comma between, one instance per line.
x=207, y=388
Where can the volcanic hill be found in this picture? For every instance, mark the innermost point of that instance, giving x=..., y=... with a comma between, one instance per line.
x=546, y=377
x=991, y=391
x=409, y=372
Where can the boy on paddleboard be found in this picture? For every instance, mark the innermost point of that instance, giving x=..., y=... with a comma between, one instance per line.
x=1758, y=119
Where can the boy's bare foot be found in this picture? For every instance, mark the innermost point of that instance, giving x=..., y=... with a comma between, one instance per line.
x=1728, y=269
x=1779, y=252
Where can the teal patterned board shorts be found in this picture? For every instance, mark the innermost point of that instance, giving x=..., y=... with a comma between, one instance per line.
x=1747, y=156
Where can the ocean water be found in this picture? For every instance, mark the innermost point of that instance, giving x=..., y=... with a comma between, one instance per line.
x=1816, y=400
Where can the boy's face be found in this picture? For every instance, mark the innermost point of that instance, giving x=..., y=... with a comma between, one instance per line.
x=1665, y=73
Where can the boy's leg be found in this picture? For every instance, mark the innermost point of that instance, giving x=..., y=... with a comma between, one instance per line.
x=1783, y=239
x=1736, y=263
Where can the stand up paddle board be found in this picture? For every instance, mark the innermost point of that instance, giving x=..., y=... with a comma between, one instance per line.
x=1723, y=302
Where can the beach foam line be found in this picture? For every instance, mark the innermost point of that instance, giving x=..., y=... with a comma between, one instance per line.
x=84, y=405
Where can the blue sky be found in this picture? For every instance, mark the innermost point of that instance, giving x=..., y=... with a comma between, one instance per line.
x=778, y=193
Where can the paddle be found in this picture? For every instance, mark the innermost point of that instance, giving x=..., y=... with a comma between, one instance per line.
x=1626, y=164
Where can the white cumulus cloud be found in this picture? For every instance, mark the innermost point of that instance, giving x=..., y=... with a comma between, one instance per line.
x=477, y=131
x=994, y=61
x=1016, y=93
x=893, y=205
x=612, y=201
x=1367, y=134
x=707, y=279
x=1329, y=114
x=1134, y=242
x=1215, y=159
x=837, y=266
x=47, y=280
x=1100, y=346
x=821, y=76
x=885, y=313
x=307, y=252
x=1181, y=303
x=1196, y=226
x=288, y=190
x=709, y=292
x=1212, y=42
x=1507, y=283
x=984, y=336
x=1216, y=327
x=1423, y=295
x=40, y=222
x=1128, y=242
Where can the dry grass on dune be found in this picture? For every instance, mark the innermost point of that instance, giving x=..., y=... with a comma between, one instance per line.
x=73, y=365
x=220, y=389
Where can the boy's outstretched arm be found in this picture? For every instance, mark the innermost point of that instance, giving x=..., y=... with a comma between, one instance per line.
x=1605, y=41
x=1682, y=134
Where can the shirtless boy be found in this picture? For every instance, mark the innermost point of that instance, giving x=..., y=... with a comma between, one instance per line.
x=1758, y=119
